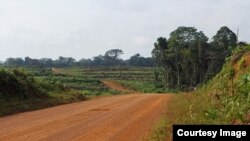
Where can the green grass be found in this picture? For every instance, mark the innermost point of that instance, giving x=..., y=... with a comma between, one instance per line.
x=118, y=73
x=144, y=86
x=159, y=132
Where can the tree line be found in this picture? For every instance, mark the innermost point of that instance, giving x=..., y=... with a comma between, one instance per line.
x=187, y=58
x=110, y=58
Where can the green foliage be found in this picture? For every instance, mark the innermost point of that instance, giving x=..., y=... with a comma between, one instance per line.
x=145, y=87
x=160, y=132
x=225, y=39
x=21, y=91
x=187, y=59
x=231, y=73
x=113, y=53
x=223, y=100
x=110, y=58
x=218, y=101
x=44, y=72
x=85, y=81
x=17, y=84
x=211, y=114
x=232, y=97
x=244, y=85
x=139, y=61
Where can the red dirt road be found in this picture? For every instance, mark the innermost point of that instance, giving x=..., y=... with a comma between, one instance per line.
x=116, y=118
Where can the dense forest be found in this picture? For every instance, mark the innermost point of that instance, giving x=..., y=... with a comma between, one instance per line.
x=110, y=58
x=187, y=58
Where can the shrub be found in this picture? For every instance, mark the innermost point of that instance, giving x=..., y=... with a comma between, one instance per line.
x=17, y=84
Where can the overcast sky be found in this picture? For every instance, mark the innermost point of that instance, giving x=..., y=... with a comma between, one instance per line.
x=87, y=28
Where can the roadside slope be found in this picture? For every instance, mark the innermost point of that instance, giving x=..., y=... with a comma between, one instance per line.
x=123, y=118
x=222, y=100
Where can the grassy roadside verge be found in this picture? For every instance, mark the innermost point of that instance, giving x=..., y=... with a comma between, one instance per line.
x=159, y=132
x=143, y=86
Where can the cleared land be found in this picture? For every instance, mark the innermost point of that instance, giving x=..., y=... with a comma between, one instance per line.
x=115, y=86
x=122, y=117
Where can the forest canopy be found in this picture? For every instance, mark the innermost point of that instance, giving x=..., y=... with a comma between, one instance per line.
x=110, y=58
x=188, y=59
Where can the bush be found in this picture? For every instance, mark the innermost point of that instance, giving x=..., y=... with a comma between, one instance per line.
x=17, y=84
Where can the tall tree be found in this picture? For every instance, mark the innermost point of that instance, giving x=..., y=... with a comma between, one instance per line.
x=225, y=38
x=158, y=53
x=114, y=53
x=222, y=45
x=181, y=57
x=14, y=62
x=159, y=57
x=111, y=57
x=139, y=61
x=188, y=59
x=186, y=43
